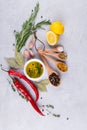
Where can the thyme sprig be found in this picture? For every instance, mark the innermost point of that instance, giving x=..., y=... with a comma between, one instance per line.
x=48, y=109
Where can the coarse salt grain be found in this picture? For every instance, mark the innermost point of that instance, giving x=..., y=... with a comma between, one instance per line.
x=60, y=49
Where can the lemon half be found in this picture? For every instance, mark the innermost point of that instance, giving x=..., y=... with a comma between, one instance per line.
x=52, y=38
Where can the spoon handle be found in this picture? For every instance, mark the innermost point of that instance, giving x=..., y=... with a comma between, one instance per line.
x=58, y=56
x=58, y=49
x=50, y=59
x=51, y=51
x=46, y=63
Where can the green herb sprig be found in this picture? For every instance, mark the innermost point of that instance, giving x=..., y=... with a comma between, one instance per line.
x=28, y=28
x=39, y=25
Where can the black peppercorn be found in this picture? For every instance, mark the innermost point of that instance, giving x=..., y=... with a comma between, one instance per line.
x=54, y=79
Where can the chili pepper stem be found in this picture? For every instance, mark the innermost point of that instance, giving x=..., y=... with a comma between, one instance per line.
x=3, y=69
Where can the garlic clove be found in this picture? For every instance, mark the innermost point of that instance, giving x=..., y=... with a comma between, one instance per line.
x=26, y=54
x=31, y=53
x=31, y=44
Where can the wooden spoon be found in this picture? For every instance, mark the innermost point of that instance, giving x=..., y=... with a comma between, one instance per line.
x=59, y=56
x=54, y=77
x=58, y=49
x=60, y=65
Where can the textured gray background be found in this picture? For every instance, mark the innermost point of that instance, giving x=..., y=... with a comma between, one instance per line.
x=70, y=100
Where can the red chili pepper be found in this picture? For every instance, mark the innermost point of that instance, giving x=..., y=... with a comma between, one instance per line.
x=25, y=92
x=12, y=72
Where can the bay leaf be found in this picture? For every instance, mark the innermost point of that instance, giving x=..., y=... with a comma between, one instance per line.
x=19, y=58
x=12, y=63
x=41, y=87
x=44, y=82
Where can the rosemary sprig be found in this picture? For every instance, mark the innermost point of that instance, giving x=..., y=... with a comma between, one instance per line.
x=39, y=25
x=28, y=28
x=22, y=36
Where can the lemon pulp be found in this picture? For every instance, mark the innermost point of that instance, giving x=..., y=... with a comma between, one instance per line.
x=52, y=38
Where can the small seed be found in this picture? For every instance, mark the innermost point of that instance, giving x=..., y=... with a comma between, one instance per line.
x=41, y=98
x=67, y=118
x=42, y=110
x=13, y=44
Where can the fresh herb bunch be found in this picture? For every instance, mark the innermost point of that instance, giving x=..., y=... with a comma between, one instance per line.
x=28, y=28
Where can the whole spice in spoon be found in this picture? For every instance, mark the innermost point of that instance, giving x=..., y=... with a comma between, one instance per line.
x=54, y=79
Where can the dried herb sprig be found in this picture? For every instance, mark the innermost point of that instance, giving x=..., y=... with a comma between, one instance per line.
x=47, y=109
x=48, y=106
x=12, y=86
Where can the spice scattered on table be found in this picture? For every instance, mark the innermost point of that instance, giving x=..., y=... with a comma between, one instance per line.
x=49, y=110
x=67, y=118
